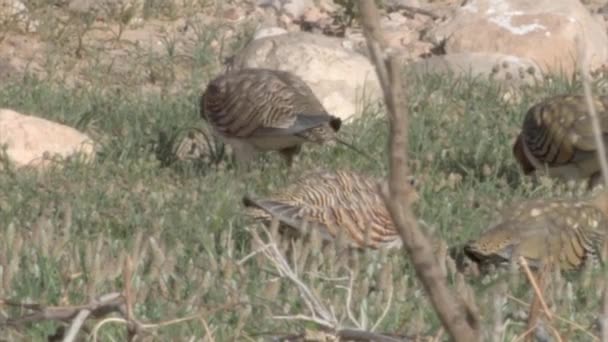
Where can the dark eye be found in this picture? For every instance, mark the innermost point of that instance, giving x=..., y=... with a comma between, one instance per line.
x=213, y=89
x=412, y=181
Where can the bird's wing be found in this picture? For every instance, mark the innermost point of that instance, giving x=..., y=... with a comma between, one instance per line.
x=301, y=124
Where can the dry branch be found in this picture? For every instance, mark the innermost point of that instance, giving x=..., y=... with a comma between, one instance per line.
x=99, y=307
x=604, y=315
x=320, y=314
x=583, y=64
x=459, y=320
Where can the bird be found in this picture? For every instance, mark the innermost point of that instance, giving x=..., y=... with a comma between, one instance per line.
x=557, y=137
x=257, y=110
x=341, y=203
x=564, y=232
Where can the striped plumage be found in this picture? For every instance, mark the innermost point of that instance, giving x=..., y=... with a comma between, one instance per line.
x=563, y=232
x=557, y=134
x=342, y=203
x=256, y=110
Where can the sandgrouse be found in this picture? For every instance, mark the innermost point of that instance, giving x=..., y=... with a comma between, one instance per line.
x=557, y=136
x=257, y=110
x=564, y=232
x=341, y=205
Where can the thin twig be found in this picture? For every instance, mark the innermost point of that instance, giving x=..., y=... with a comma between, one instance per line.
x=207, y=329
x=252, y=254
x=361, y=335
x=559, y=318
x=597, y=129
x=534, y=284
x=349, y=300
x=76, y=324
x=604, y=314
x=459, y=320
x=528, y=331
x=320, y=314
x=386, y=309
x=412, y=9
x=300, y=317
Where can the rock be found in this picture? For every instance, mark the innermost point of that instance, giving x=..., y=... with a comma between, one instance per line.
x=509, y=70
x=342, y=79
x=130, y=11
x=268, y=32
x=293, y=8
x=7, y=71
x=401, y=33
x=29, y=139
x=14, y=11
x=543, y=31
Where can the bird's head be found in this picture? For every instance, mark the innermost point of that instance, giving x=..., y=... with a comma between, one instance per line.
x=212, y=98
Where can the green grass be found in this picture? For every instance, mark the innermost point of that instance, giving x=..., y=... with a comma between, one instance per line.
x=65, y=232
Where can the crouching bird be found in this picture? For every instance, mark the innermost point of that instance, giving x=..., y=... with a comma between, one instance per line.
x=342, y=205
x=557, y=137
x=566, y=233
x=257, y=110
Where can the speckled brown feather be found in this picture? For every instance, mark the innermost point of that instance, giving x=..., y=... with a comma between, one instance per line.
x=557, y=134
x=333, y=203
x=568, y=233
x=267, y=110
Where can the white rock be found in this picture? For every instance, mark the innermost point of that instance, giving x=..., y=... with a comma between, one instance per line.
x=30, y=139
x=509, y=70
x=544, y=31
x=15, y=11
x=268, y=32
x=296, y=8
x=343, y=80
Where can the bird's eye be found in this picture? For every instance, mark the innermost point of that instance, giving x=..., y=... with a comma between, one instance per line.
x=412, y=181
x=213, y=88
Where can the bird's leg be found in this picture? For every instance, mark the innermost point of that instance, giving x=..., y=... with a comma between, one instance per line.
x=595, y=180
x=244, y=155
x=289, y=154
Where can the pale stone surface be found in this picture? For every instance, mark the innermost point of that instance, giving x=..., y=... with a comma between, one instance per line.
x=543, y=31
x=268, y=32
x=15, y=11
x=343, y=80
x=110, y=8
x=292, y=8
x=508, y=70
x=29, y=139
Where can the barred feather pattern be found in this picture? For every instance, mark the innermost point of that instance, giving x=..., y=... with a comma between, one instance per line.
x=342, y=203
x=563, y=232
x=270, y=109
x=557, y=134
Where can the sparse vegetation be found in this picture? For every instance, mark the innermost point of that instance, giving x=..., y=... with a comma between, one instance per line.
x=66, y=233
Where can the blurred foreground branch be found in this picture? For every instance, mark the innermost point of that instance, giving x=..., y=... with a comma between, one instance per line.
x=320, y=314
x=456, y=317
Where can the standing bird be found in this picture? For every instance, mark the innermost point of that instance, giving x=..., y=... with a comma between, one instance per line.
x=557, y=135
x=256, y=110
x=342, y=203
x=563, y=232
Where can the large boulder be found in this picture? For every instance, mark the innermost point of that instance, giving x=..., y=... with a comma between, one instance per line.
x=508, y=70
x=343, y=80
x=31, y=141
x=543, y=31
